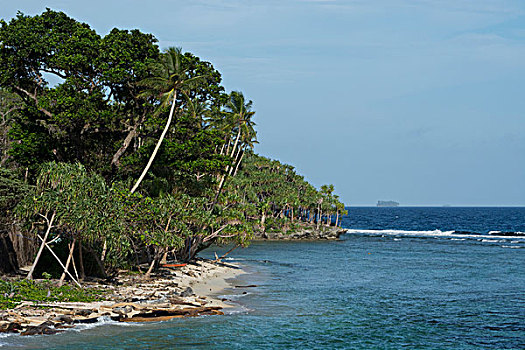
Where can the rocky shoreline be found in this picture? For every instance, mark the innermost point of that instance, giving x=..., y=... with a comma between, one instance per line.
x=306, y=232
x=186, y=291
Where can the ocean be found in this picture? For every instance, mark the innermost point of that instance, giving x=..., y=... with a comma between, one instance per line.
x=414, y=278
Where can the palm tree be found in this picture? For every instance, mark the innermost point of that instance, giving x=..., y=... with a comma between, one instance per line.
x=241, y=113
x=199, y=111
x=169, y=78
x=238, y=118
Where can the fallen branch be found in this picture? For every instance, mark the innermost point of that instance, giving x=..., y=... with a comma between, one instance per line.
x=225, y=254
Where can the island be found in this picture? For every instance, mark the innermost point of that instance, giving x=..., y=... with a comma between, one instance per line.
x=387, y=204
x=120, y=174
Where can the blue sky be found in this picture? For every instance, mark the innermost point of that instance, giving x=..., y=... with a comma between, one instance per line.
x=416, y=101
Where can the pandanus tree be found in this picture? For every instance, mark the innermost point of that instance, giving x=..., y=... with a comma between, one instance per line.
x=169, y=79
x=69, y=200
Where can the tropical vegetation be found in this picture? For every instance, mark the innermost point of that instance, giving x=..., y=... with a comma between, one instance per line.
x=115, y=154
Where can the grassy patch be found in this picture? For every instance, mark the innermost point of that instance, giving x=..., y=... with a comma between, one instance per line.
x=13, y=292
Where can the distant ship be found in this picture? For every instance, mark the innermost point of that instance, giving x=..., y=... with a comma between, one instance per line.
x=387, y=204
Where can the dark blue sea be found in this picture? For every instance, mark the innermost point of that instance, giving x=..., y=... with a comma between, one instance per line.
x=414, y=278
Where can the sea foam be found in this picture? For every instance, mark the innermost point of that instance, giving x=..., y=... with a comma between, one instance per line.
x=452, y=234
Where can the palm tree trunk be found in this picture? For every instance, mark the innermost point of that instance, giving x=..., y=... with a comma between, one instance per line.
x=239, y=163
x=221, y=183
x=158, y=144
x=236, y=142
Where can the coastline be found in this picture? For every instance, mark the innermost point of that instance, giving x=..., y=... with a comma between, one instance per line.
x=171, y=292
x=305, y=232
x=186, y=291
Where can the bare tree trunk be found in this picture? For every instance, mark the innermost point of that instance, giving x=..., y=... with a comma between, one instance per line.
x=194, y=249
x=337, y=219
x=164, y=258
x=59, y=262
x=71, y=249
x=263, y=219
x=104, y=249
x=49, y=225
x=150, y=269
x=318, y=216
x=116, y=157
x=158, y=253
x=158, y=144
x=191, y=247
x=74, y=266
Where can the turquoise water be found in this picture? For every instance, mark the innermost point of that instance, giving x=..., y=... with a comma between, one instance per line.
x=381, y=287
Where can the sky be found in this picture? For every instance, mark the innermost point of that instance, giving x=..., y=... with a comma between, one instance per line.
x=417, y=101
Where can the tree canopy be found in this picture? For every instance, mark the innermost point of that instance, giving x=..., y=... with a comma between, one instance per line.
x=135, y=153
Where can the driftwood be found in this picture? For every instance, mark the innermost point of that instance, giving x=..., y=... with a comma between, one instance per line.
x=176, y=301
x=133, y=305
x=164, y=315
x=148, y=319
x=217, y=259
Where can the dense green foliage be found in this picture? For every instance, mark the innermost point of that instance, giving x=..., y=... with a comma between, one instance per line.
x=277, y=196
x=134, y=153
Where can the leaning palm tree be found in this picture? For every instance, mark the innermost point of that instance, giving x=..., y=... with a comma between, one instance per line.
x=238, y=118
x=169, y=78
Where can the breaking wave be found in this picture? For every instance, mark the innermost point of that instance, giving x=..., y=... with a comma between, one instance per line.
x=491, y=236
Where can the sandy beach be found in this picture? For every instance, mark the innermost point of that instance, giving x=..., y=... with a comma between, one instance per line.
x=185, y=291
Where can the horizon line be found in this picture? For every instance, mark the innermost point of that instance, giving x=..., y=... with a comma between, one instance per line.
x=442, y=205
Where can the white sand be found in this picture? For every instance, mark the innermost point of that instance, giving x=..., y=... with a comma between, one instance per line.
x=210, y=280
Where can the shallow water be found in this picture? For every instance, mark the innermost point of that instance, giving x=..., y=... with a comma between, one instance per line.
x=372, y=290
